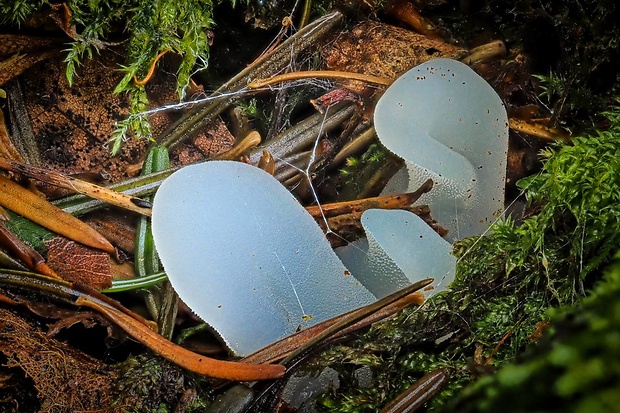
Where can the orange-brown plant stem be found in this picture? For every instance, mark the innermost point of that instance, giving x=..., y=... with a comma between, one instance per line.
x=149, y=75
x=285, y=346
x=380, y=202
x=64, y=291
x=227, y=370
x=355, y=316
x=29, y=256
x=319, y=74
x=7, y=300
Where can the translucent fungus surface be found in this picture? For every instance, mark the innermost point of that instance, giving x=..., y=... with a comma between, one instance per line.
x=245, y=255
x=249, y=260
x=399, y=249
x=449, y=125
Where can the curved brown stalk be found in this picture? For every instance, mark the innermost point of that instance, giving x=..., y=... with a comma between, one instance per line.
x=320, y=74
x=196, y=363
x=139, y=328
x=361, y=205
x=28, y=255
x=355, y=316
x=285, y=346
x=149, y=75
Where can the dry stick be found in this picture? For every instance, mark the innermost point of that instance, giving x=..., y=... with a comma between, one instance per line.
x=22, y=201
x=419, y=393
x=539, y=131
x=274, y=62
x=95, y=191
x=355, y=316
x=380, y=202
x=320, y=74
x=227, y=370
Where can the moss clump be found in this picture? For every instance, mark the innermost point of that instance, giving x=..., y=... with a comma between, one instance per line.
x=148, y=384
x=575, y=368
x=505, y=281
x=153, y=27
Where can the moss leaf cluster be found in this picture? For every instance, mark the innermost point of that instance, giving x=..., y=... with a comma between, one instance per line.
x=575, y=368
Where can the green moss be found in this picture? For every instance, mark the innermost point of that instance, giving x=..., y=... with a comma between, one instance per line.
x=575, y=368
x=148, y=384
x=147, y=28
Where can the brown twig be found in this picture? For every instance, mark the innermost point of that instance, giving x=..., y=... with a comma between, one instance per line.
x=419, y=393
x=77, y=185
x=29, y=256
x=360, y=205
x=227, y=370
x=319, y=74
x=355, y=316
x=284, y=347
x=149, y=75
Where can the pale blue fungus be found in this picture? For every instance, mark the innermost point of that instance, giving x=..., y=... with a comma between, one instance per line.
x=449, y=125
x=248, y=259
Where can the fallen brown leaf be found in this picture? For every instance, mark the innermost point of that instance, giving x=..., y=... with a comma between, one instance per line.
x=77, y=263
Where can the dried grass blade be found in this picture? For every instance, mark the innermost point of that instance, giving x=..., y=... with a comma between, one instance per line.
x=20, y=200
x=95, y=191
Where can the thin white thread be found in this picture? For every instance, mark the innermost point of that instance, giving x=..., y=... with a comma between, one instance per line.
x=288, y=277
x=306, y=173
